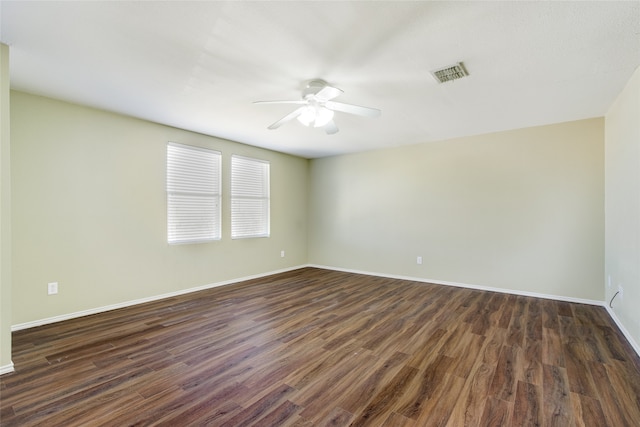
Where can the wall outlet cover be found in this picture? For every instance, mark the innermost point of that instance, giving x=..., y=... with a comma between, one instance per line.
x=52, y=288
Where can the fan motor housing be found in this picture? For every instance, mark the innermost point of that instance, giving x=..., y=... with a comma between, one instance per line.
x=313, y=87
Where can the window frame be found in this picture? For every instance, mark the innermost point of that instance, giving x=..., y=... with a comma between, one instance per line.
x=186, y=189
x=263, y=167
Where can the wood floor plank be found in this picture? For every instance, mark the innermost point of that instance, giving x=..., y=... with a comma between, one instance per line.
x=611, y=343
x=580, y=380
x=337, y=417
x=467, y=355
x=145, y=412
x=505, y=377
x=496, y=412
x=470, y=405
x=437, y=411
x=557, y=410
x=357, y=395
x=552, y=353
x=527, y=408
x=261, y=408
x=618, y=401
x=424, y=387
x=397, y=420
x=533, y=329
x=532, y=362
x=550, y=314
x=506, y=311
x=321, y=366
x=317, y=403
x=431, y=344
x=517, y=325
x=279, y=415
x=493, y=346
x=587, y=411
x=314, y=347
x=380, y=407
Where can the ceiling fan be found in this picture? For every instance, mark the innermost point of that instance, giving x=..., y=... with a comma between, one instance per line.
x=317, y=108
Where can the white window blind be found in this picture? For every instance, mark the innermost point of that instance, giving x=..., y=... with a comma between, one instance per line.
x=193, y=194
x=249, y=197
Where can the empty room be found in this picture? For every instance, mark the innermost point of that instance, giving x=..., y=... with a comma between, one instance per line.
x=319, y=213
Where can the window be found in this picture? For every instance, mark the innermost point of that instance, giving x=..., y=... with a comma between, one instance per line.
x=193, y=194
x=249, y=197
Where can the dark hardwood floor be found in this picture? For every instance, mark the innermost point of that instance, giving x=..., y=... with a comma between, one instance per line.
x=323, y=348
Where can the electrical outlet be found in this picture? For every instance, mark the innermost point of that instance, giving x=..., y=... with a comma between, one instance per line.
x=621, y=290
x=52, y=288
x=281, y=254
x=419, y=260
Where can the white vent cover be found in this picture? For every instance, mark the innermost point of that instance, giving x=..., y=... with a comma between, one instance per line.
x=452, y=72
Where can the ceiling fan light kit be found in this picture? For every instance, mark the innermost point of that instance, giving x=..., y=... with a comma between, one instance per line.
x=317, y=108
x=315, y=115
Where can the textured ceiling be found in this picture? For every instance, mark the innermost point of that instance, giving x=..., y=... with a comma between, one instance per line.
x=200, y=65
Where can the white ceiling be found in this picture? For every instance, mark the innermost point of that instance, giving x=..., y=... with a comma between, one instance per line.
x=200, y=65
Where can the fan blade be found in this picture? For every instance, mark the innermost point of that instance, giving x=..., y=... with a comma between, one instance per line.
x=327, y=93
x=353, y=109
x=331, y=128
x=280, y=102
x=288, y=117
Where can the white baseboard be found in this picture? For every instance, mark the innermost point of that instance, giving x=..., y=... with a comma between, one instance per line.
x=103, y=309
x=468, y=286
x=6, y=369
x=624, y=331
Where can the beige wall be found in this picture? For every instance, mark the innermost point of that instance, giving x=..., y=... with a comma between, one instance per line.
x=89, y=212
x=5, y=214
x=521, y=210
x=622, y=204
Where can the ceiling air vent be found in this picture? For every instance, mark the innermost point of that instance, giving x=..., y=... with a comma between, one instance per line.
x=452, y=72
